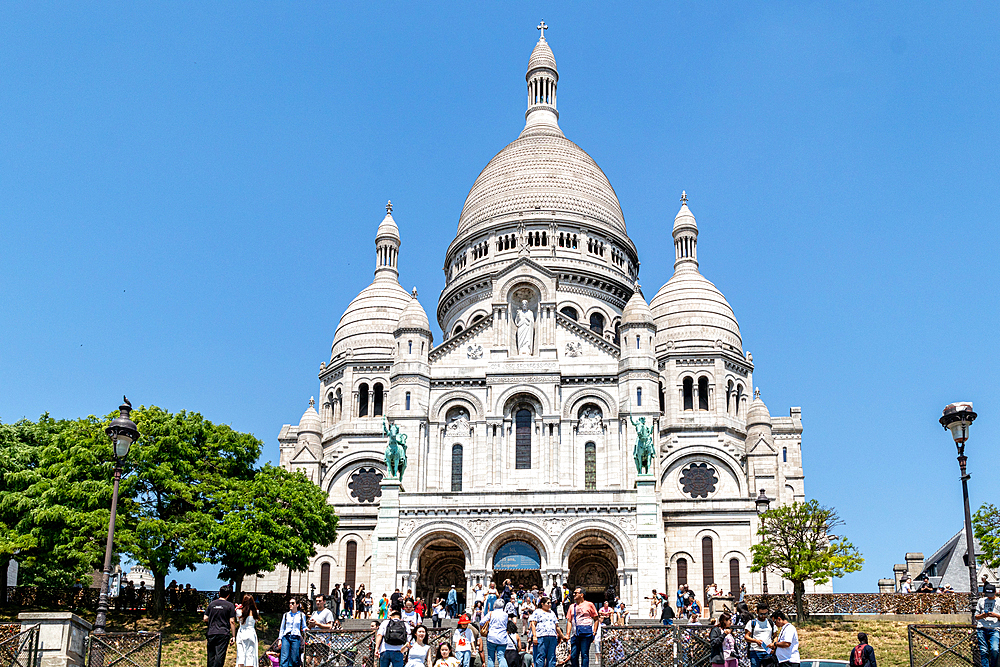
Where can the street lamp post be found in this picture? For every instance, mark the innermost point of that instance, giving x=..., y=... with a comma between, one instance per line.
x=763, y=503
x=123, y=433
x=957, y=418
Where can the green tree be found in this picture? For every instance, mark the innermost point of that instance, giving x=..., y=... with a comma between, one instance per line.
x=986, y=524
x=56, y=498
x=180, y=463
x=278, y=517
x=798, y=542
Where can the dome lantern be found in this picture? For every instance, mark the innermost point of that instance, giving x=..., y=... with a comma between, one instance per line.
x=685, y=237
x=387, y=246
x=542, y=78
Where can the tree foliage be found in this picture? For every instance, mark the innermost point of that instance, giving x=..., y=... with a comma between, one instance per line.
x=278, y=517
x=799, y=543
x=986, y=524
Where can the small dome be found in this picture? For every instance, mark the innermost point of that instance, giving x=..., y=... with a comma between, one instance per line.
x=684, y=218
x=387, y=228
x=414, y=316
x=637, y=311
x=310, y=421
x=542, y=56
x=757, y=413
x=690, y=311
x=370, y=320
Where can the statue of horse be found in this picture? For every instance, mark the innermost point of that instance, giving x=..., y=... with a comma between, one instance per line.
x=643, y=452
x=395, y=452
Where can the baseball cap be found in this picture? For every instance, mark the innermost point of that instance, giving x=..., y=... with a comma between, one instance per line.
x=989, y=589
x=463, y=619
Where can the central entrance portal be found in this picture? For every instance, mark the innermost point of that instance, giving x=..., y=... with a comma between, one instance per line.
x=593, y=566
x=442, y=565
x=518, y=561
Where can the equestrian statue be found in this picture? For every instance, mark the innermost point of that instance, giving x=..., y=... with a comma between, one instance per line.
x=395, y=451
x=643, y=451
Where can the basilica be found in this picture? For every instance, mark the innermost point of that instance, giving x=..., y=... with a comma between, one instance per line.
x=520, y=424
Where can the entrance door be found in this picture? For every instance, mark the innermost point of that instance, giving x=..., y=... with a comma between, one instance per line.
x=593, y=566
x=518, y=561
x=442, y=565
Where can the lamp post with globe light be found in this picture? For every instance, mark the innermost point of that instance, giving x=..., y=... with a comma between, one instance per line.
x=763, y=503
x=123, y=433
x=957, y=418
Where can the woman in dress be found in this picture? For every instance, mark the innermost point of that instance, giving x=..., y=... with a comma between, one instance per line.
x=417, y=656
x=246, y=636
x=383, y=607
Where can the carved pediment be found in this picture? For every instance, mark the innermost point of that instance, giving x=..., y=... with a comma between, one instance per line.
x=761, y=448
x=304, y=455
x=469, y=347
x=577, y=342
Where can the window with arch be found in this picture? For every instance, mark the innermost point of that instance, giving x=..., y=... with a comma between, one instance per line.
x=682, y=572
x=688, y=385
x=734, y=576
x=458, y=329
x=352, y=563
x=324, y=579
x=784, y=454
x=456, y=468
x=378, y=398
x=739, y=399
x=703, y=393
x=617, y=339
x=663, y=400
x=339, y=405
x=363, y=400
x=729, y=398
x=522, y=439
x=597, y=323
x=590, y=466
x=407, y=400
x=570, y=312
x=477, y=318
x=707, y=561
x=410, y=347
x=638, y=396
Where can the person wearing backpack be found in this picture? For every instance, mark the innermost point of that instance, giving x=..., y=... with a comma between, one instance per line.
x=862, y=655
x=390, y=640
x=759, y=632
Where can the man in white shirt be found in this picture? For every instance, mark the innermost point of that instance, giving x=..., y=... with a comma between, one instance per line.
x=786, y=644
x=410, y=616
x=322, y=618
x=988, y=625
x=759, y=633
x=907, y=587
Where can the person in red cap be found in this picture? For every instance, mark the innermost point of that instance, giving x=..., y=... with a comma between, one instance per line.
x=463, y=641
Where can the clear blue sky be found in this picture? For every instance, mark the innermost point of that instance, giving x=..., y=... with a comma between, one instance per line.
x=189, y=194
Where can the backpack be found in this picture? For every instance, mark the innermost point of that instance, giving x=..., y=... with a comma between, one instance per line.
x=396, y=632
x=858, y=655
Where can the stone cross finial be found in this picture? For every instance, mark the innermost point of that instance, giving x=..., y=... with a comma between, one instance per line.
x=388, y=207
x=542, y=27
x=312, y=402
x=756, y=392
x=684, y=198
x=414, y=292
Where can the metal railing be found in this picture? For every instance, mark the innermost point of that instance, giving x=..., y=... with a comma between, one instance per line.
x=137, y=600
x=819, y=604
x=349, y=648
x=651, y=646
x=943, y=646
x=124, y=649
x=18, y=648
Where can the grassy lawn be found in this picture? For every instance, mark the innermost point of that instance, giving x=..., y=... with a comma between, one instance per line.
x=835, y=639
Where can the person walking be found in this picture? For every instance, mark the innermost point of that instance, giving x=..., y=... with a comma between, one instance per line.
x=391, y=638
x=383, y=607
x=494, y=628
x=463, y=640
x=786, y=644
x=717, y=637
x=246, y=636
x=293, y=625
x=988, y=626
x=862, y=655
x=335, y=597
x=419, y=649
x=491, y=598
x=581, y=626
x=452, y=602
x=758, y=632
x=437, y=611
x=221, y=618
x=545, y=634
x=360, y=596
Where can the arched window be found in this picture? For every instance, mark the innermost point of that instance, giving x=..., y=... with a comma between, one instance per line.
x=597, y=323
x=458, y=329
x=477, y=318
x=363, y=400
x=663, y=400
x=682, y=572
x=784, y=454
x=407, y=400
x=410, y=344
x=324, y=579
x=638, y=396
x=456, y=468
x=352, y=563
x=739, y=398
x=377, y=399
x=570, y=312
x=707, y=562
x=734, y=576
x=590, y=466
x=618, y=325
x=688, y=394
x=522, y=439
x=729, y=398
x=703, y=393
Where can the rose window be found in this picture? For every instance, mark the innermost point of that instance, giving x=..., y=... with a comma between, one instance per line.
x=698, y=480
x=366, y=484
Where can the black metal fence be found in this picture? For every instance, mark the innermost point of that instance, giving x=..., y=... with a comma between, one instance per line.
x=350, y=648
x=18, y=648
x=124, y=649
x=943, y=646
x=651, y=646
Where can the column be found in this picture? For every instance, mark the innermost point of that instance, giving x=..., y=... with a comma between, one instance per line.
x=650, y=556
x=384, y=548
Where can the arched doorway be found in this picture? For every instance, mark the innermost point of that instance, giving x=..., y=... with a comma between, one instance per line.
x=442, y=565
x=593, y=566
x=518, y=561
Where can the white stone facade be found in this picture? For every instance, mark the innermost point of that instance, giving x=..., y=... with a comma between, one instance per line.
x=526, y=435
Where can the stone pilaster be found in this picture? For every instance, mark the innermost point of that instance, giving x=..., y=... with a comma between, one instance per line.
x=650, y=552
x=386, y=547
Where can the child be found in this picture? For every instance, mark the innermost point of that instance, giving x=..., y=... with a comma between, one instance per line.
x=444, y=657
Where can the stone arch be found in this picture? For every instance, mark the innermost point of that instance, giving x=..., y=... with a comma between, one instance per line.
x=515, y=530
x=369, y=458
x=517, y=280
x=469, y=400
x=600, y=528
x=716, y=455
x=428, y=533
x=596, y=558
x=572, y=404
x=523, y=391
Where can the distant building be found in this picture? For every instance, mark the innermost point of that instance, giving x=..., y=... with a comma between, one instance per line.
x=948, y=566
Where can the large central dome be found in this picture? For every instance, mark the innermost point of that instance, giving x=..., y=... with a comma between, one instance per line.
x=544, y=171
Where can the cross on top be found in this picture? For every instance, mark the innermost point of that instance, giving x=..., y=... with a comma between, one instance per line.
x=684, y=197
x=388, y=206
x=541, y=26
x=756, y=392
